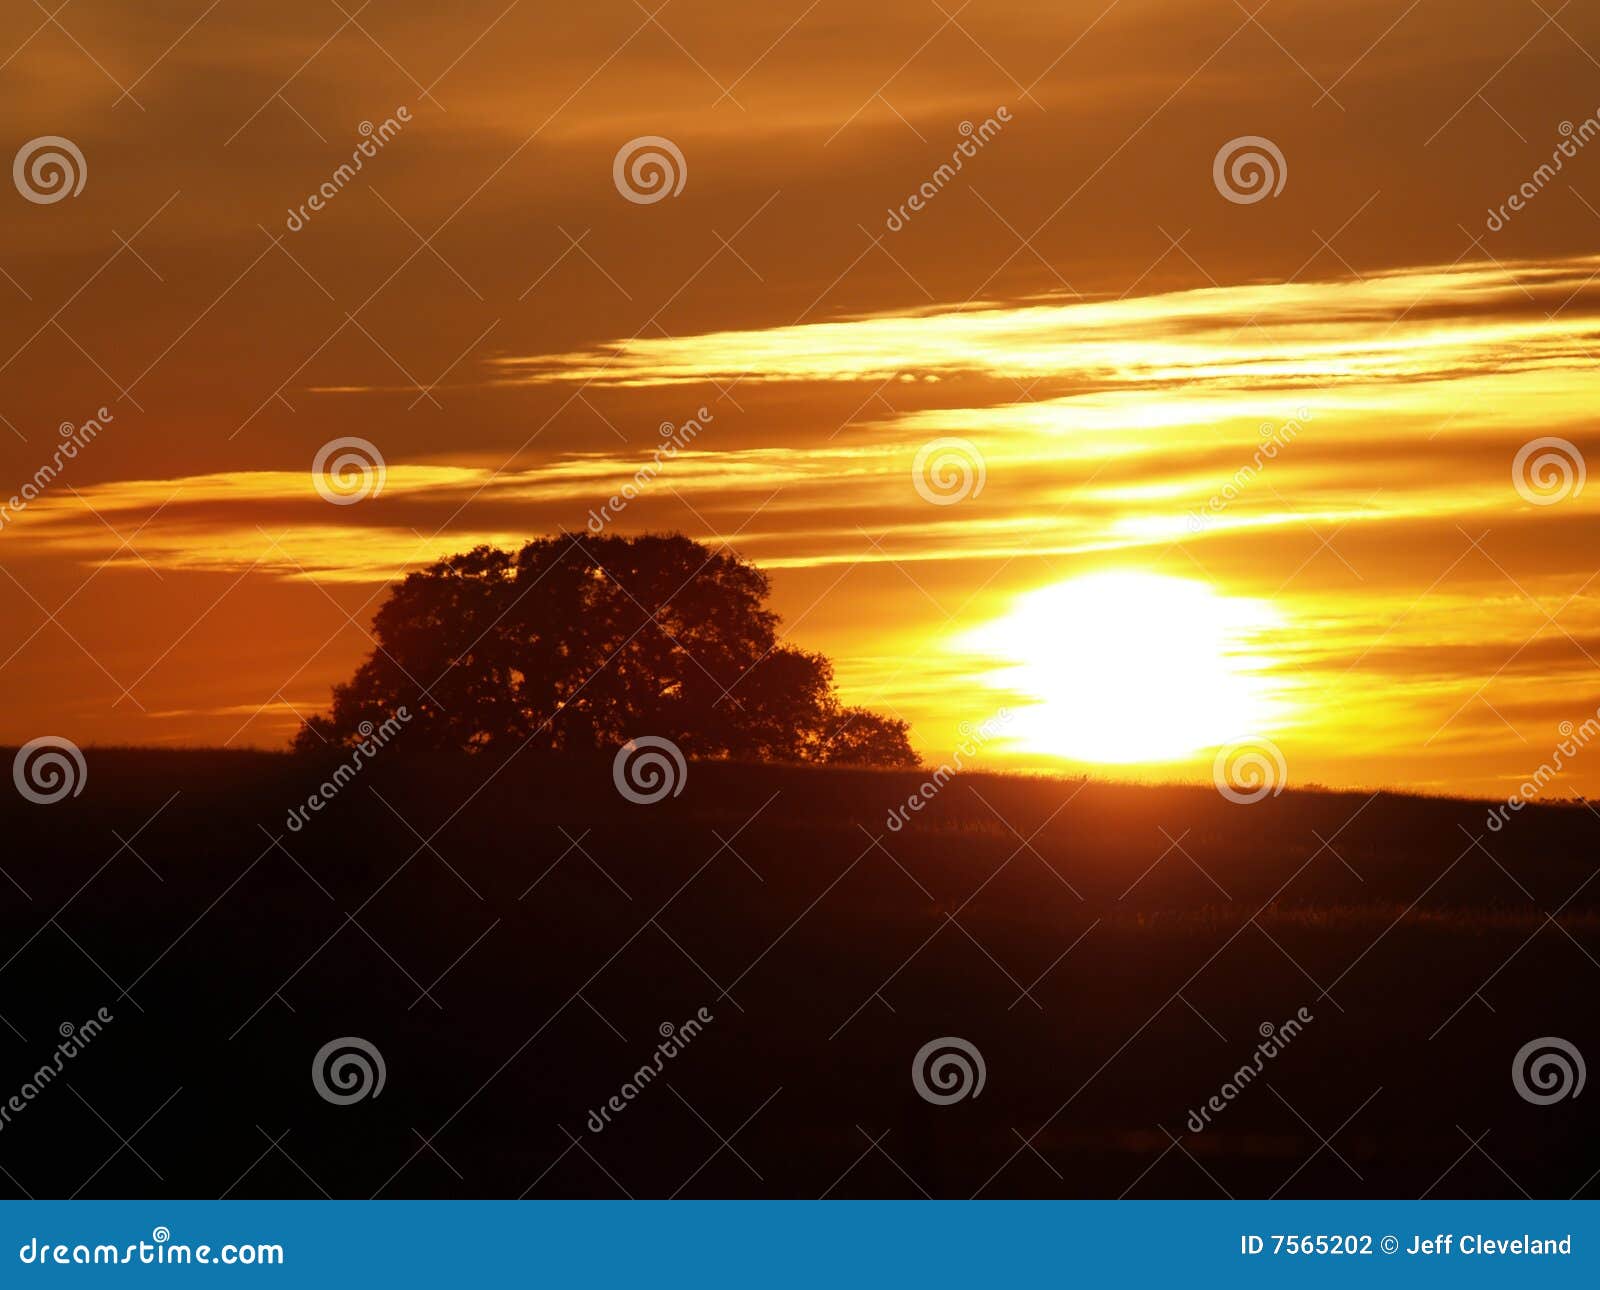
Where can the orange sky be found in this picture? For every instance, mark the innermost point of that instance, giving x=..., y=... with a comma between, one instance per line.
x=1079, y=305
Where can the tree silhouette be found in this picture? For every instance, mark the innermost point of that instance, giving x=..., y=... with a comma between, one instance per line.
x=579, y=642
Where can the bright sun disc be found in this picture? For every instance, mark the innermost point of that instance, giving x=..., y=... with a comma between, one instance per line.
x=1129, y=667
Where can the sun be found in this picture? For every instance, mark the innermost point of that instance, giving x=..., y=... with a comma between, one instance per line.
x=1127, y=667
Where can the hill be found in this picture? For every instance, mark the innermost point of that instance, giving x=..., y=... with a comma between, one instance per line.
x=514, y=945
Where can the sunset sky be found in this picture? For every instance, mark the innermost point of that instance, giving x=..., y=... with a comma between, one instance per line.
x=1079, y=317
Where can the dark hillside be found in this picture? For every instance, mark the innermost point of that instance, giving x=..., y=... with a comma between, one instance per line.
x=513, y=947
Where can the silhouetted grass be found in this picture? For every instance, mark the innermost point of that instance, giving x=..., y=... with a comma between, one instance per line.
x=511, y=937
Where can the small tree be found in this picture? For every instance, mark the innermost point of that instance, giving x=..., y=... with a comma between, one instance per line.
x=579, y=642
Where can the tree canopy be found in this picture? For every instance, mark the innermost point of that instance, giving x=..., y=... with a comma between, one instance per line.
x=581, y=642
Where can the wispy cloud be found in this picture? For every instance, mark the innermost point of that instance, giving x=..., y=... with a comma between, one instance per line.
x=1427, y=323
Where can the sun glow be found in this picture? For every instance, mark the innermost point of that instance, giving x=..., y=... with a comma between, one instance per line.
x=1130, y=667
